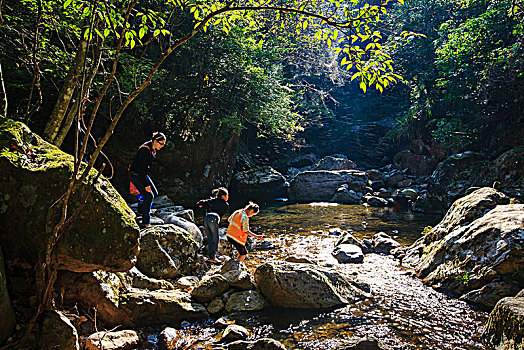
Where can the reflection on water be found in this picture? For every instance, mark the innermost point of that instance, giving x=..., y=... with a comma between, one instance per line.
x=403, y=313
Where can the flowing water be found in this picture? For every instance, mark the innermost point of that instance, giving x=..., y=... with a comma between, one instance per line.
x=402, y=313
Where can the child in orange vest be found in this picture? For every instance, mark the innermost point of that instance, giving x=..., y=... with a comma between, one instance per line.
x=238, y=229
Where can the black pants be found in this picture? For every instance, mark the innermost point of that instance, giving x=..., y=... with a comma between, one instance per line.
x=141, y=182
x=211, y=221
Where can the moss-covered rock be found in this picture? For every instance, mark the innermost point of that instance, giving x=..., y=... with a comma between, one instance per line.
x=7, y=321
x=476, y=250
x=505, y=327
x=33, y=175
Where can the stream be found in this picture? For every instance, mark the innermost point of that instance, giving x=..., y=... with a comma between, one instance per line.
x=402, y=313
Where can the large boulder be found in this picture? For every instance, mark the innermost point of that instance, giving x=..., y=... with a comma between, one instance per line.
x=210, y=288
x=295, y=285
x=505, y=327
x=335, y=163
x=322, y=185
x=260, y=183
x=167, y=251
x=476, y=244
x=303, y=160
x=117, y=304
x=55, y=331
x=8, y=320
x=418, y=164
x=186, y=225
x=33, y=175
x=249, y=300
x=121, y=340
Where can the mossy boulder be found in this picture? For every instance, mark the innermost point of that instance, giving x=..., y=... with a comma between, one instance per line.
x=477, y=245
x=505, y=327
x=35, y=174
x=7, y=321
x=295, y=285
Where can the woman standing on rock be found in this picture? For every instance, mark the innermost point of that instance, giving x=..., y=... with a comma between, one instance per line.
x=139, y=173
x=238, y=229
x=215, y=207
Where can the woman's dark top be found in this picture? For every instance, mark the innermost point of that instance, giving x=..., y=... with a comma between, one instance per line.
x=214, y=205
x=143, y=159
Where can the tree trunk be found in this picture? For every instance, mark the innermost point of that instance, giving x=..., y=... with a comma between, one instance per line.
x=57, y=116
x=78, y=103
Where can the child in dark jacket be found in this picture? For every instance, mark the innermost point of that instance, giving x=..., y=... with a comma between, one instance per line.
x=215, y=207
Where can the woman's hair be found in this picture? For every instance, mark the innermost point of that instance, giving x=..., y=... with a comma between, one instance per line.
x=158, y=136
x=253, y=207
x=219, y=192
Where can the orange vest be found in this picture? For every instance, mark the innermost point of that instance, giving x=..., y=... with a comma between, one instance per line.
x=235, y=230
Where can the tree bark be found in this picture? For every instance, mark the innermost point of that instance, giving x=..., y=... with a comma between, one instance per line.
x=57, y=116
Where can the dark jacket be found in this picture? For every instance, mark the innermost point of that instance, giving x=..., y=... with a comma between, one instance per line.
x=143, y=159
x=214, y=205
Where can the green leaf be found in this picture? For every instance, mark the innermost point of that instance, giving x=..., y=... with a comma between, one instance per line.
x=142, y=32
x=67, y=3
x=156, y=32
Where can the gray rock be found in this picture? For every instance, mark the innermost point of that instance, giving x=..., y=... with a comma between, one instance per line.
x=186, y=225
x=239, y=279
x=348, y=253
x=137, y=279
x=345, y=196
x=169, y=338
x=383, y=244
x=491, y=293
x=121, y=340
x=305, y=285
x=209, y=288
x=472, y=246
x=249, y=300
x=162, y=202
x=303, y=160
x=234, y=332
x=167, y=251
x=322, y=185
x=374, y=174
x=259, y=183
x=347, y=237
x=300, y=259
x=335, y=163
x=392, y=179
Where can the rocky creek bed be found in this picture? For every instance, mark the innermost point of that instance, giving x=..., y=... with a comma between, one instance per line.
x=402, y=314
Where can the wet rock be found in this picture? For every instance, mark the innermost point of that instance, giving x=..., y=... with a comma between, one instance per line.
x=505, y=327
x=121, y=340
x=166, y=251
x=345, y=196
x=137, y=279
x=57, y=332
x=259, y=183
x=209, y=288
x=322, y=185
x=130, y=308
x=259, y=344
x=335, y=163
x=305, y=286
x=348, y=253
x=411, y=193
x=167, y=213
x=377, y=184
x=381, y=243
x=104, y=235
x=239, y=279
x=476, y=243
x=162, y=202
x=303, y=160
x=8, y=320
x=373, y=201
x=249, y=300
x=170, y=338
x=405, y=183
x=234, y=332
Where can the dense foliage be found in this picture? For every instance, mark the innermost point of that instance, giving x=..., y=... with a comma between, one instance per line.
x=466, y=78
